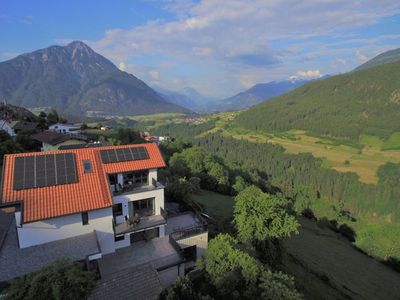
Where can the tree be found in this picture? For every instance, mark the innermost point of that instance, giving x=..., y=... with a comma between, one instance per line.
x=182, y=289
x=233, y=273
x=7, y=145
x=258, y=216
x=278, y=286
x=223, y=258
x=52, y=117
x=60, y=280
x=240, y=184
x=42, y=120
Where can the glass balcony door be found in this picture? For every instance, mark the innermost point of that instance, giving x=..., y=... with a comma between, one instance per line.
x=141, y=208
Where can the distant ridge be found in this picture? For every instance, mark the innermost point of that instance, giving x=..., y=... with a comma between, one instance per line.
x=258, y=93
x=76, y=80
x=346, y=106
x=381, y=59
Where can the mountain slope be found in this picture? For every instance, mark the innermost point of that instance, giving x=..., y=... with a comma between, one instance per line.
x=383, y=58
x=257, y=94
x=366, y=101
x=188, y=98
x=74, y=79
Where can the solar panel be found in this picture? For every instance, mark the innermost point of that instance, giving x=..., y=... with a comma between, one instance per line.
x=123, y=154
x=44, y=170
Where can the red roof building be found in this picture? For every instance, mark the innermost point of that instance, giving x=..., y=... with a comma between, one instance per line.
x=90, y=192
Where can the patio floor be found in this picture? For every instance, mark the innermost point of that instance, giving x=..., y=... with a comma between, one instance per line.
x=181, y=222
x=158, y=252
x=145, y=222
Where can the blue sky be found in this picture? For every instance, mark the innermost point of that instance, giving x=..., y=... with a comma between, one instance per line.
x=218, y=47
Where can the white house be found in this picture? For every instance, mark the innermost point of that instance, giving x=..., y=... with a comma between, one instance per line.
x=65, y=128
x=111, y=192
x=6, y=126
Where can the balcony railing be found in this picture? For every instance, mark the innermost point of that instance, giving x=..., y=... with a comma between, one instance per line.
x=188, y=232
x=137, y=188
x=138, y=224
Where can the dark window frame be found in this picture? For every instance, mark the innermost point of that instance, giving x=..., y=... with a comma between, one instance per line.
x=117, y=209
x=85, y=218
x=119, y=238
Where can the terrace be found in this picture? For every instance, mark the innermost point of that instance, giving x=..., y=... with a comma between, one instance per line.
x=141, y=224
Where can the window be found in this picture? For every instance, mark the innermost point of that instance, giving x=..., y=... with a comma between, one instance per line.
x=137, y=178
x=142, y=208
x=119, y=238
x=113, y=179
x=87, y=166
x=117, y=209
x=85, y=218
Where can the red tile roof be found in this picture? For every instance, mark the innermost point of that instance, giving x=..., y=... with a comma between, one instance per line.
x=90, y=192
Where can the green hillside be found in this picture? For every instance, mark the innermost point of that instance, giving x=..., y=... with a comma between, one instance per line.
x=345, y=106
x=383, y=58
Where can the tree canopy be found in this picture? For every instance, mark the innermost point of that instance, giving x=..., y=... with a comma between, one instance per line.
x=258, y=216
x=60, y=280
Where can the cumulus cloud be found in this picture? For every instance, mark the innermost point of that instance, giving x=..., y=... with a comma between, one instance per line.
x=122, y=66
x=341, y=61
x=154, y=75
x=361, y=57
x=231, y=37
x=310, y=74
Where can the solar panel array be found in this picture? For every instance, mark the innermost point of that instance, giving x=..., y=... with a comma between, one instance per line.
x=44, y=170
x=123, y=154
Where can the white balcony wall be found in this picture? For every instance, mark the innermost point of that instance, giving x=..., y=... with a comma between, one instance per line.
x=40, y=232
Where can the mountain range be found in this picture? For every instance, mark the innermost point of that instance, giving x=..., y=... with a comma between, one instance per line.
x=366, y=100
x=189, y=98
x=76, y=80
x=257, y=94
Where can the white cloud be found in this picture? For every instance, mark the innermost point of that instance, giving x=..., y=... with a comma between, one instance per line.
x=341, y=61
x=201, y=51
x=122, y=66
x=361, y=57
x=236, y=38
x=154, y=75
x=310, y=74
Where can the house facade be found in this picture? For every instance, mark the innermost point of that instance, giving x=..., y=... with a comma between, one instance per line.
x=6, y=126
x=65, y=128
x=111, y=192
x=52, y=140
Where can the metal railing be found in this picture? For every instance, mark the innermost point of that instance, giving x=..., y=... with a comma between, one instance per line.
x=188, y=232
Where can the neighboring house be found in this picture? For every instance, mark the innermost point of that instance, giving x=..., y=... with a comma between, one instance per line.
x=6, y=126
x=19, y=126
x=52, y=140
x=65, y=128
x=101, y=203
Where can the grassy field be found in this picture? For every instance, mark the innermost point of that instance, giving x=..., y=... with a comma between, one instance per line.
x=216, y=205
x=363, y=158
x=326, y=266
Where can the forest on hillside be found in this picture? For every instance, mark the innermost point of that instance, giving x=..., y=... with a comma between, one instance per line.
x=304, y=179
x=345, y=106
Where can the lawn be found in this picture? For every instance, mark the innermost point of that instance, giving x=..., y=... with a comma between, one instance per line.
x=216, y=205
x=330, y=267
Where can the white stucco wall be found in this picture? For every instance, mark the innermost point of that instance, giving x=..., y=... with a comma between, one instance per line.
x=45, y=231
x=6, y=127
x=200, y=240
x=63, y=128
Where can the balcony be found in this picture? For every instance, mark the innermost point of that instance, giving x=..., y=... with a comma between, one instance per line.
x=133, y=189
x=139, y=224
